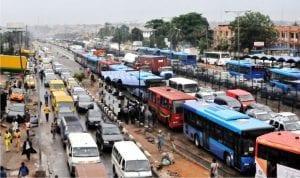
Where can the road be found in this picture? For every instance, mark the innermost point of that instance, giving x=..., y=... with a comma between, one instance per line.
x=58, y=159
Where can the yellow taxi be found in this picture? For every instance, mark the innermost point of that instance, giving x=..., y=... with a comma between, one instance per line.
x=30, y=80
x=17, y=94
x=56, y=85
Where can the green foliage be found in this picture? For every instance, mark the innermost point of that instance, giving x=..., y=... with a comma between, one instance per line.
x=79, y=76
x=224, y=45
x=254, y=26
x=136, y=34
x=107, y=30
x=121, y=34
x=191, y=27
x=160, y=32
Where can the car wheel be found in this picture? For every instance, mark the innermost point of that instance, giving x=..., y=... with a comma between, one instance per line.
x=197, y=141
x=227, y=159
x=114, y=172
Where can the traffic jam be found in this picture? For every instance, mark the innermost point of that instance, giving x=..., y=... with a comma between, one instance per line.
x=240, y=112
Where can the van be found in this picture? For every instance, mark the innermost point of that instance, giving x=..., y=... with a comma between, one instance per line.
x=244, y=97
x=129, y=161
x=90, y=170
x=81, y=149
x=56, y=85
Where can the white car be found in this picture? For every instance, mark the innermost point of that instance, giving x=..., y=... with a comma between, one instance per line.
x=77, y=91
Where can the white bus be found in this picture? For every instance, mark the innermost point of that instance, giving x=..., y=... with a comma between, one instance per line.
x=216, y=58
x=183, y=84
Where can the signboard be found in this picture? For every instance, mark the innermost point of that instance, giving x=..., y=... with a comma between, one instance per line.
x=259, y=44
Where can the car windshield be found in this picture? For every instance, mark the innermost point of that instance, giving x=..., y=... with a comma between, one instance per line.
x=84, y=98
x=94, y=113
x=18, y=91
x=111, y=131
x=293, y=118
x=208, y=97
x=246, y=98
x=293, y=126
x=190, y=88
x=137, y=165
x=65, y=105
x=79, y=92
x=18, y=108
x=57, y=86
x=263, y=116
x=234, y=103
x=85, y=152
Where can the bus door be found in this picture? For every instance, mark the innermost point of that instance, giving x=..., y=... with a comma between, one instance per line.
x=164, y=109
x=238, y=150
x=206, y=133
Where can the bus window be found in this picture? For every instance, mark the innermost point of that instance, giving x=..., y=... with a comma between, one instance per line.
x=177, y=107
x=248, y=147
x=152, y=97
x=164, y=102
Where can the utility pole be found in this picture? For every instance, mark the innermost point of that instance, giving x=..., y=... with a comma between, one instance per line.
x=238, y=13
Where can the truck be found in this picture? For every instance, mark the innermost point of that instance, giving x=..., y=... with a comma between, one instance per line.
x=13, y=63
x=159, y=65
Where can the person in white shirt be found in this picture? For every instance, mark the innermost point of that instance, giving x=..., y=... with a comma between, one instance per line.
x=214, y=168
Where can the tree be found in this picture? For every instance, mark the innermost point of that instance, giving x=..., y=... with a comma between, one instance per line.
x=107, y=30
x=191, y=28
x=160, y=32
x=254, y=26
x=121, y=34
x=136, y=34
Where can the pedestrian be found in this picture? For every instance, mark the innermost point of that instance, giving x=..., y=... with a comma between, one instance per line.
x=160, y=140
x=17, y=135
x=54, y=127
x=172, y=142
x=46, y=96
x=15, y=124
x=26, y=86
x=41, y=104
x=27, y=127
x=27, y=148
x=23, y=171
x=7, y=139
x=2, y=172
x=47, y=111
x=214, y=168
x=125, y=115
x=92, y=80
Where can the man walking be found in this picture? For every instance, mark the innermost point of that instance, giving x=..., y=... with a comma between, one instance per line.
x=54, y=128
x=7, y=139
x=46, y=96
x=27, y=127
x=17, y=135
x=160, y=140
x=27, y=148
x=23, y=171
x=47, y=111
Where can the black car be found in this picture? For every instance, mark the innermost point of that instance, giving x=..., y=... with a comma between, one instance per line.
x=16, y=110
x=228, y=101
x=106, y=135
x=84, y=103
x=291, y=98
x=93, y=118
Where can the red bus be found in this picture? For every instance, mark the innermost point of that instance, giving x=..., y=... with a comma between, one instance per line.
x=167, y=103
x=244, y=97
x=104, y=65
x=277, y=154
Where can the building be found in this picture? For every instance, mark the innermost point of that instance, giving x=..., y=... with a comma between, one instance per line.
x=287, y=36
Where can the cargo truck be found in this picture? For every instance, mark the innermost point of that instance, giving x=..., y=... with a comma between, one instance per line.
x=13, y=63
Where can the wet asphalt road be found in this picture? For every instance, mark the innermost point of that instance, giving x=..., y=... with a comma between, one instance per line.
x=53, y=148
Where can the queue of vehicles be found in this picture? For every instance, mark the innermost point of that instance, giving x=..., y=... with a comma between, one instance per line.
x=213, y=126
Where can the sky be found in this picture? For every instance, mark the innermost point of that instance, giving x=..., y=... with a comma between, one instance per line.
x=53, y=12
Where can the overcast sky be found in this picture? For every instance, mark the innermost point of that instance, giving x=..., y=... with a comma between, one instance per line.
x=52, y=12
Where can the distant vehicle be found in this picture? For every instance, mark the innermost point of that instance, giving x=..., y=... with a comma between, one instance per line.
x=244, y=97
x=259, y=106
x=30, y=80
x=288, y=115
x=205, y=96
x=286, y=122
x=65, y=76
x=232, y=132
x=104, y=65
x=12, y=63
x=272, y=93
x=259, y=114
x=167, y=103
x=216, y=58
x=183, y=84
x=245, y=68
x=133, y=162
x=69, y=124
x=285, y=79
x=63, y=70
x=48, y=77
x=16, y=111
x=56, y=85
x=71, y=85
x=17, y=95
x=81, y=149
x=93, y=118
x=107, y=134
x=229, y=102
x=185, y=58
x=55, y=66
x=279, y=150
x=76, y=91
x=84, y=103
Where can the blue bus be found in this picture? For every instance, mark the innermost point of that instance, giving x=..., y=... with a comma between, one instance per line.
x=185, y=58
x=246, y=69
x=92, y=62
x=120, y=67
x=286, y=79
x=226, y=133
